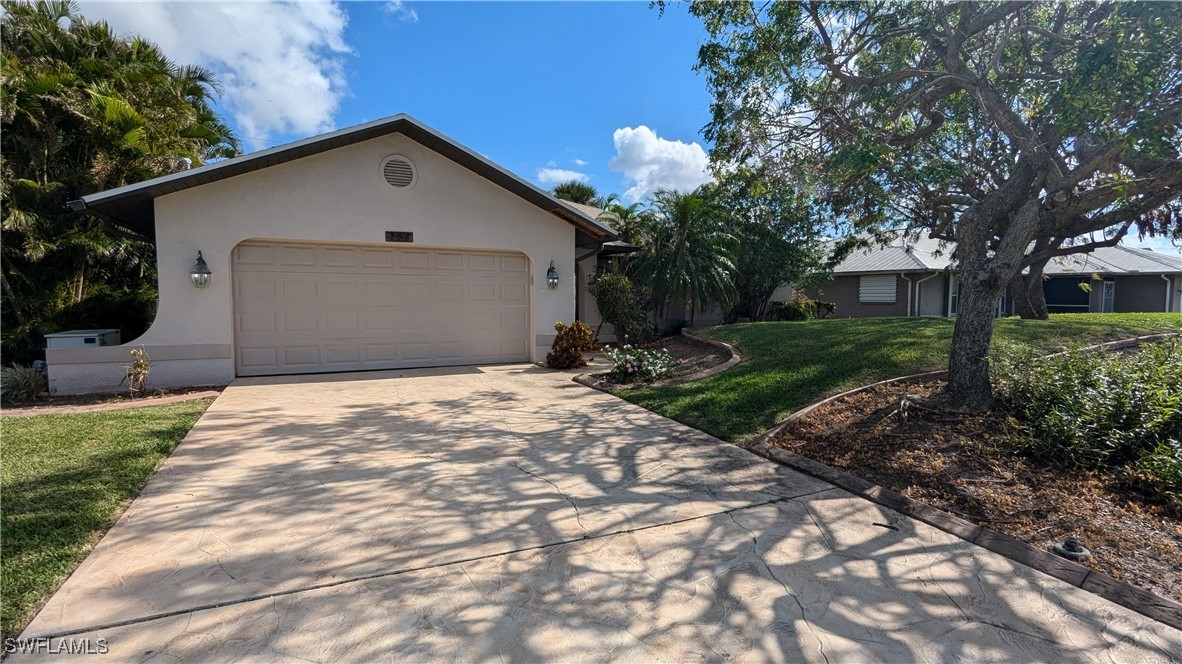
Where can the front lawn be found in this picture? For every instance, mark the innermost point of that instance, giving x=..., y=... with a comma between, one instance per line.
x=64, y=481
x=787, y=366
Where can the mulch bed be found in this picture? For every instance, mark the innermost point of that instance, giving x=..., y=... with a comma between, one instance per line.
x=689, y=356
x=957, y=464
x=67, y=403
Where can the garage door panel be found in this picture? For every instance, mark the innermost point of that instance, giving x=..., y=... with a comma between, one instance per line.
x=311, y=308
x=340, y=293
x=514, y=293
x=513, y=264
x=452, y=292
x=296, y=256
x=346, y=354
x=301, y=356
x=258, y=358
x=300, y=322
x=415, y=260
x=513, y=320
x=338, y=257
x=445, y=260
x=299, y=291
x=482, y=262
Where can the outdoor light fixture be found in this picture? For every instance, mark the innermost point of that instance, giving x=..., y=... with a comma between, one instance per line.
x=200, y=273
x=552, y=276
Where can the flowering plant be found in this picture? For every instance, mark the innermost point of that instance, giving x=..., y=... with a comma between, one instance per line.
x=630, y=364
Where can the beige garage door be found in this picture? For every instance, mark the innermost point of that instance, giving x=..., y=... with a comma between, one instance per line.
x=305, y=308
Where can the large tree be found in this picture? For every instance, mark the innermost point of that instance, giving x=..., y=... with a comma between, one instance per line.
x=1005, y=128
x=777, y=240
x=84, y=110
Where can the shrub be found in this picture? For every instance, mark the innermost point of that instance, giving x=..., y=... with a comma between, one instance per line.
x=788, y=311
x=630, y=364
x=137, y=371
x=619, y=305
x=20, y=383
x=1120, y=412
x=572, y=341
x=800, y=308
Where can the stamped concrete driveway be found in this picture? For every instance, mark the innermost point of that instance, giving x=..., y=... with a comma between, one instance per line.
x=507, y=512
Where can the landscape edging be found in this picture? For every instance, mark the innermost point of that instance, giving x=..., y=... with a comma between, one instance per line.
x=591, y=380
x=1142, y=601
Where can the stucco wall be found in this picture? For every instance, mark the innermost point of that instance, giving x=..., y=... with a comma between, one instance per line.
x=1145, y=292
x=337, y=196
x=844, y=292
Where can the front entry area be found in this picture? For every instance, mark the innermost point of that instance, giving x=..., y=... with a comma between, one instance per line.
x=314, y=308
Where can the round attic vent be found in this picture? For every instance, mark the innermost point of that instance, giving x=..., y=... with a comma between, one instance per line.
x=398, y=171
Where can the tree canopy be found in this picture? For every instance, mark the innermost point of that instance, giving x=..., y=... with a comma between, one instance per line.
x=86, y=110
x=688, y=252
x=1010, y=129
x=577, y=192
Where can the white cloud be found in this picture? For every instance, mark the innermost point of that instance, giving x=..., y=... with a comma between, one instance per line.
x=557, y=175
x=399, y=9
x=581, y=162
x=281, y=63
x=653, y=163
x=1159, y=244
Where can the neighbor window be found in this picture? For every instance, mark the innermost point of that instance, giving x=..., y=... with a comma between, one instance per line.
x=877, y=288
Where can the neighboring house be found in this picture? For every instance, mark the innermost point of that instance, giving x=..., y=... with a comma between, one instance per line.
x=918, y=278
x=381, y=246
x=1121, y=279
x=904, y=278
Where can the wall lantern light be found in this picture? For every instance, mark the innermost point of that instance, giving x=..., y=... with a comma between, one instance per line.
x=200, y=273
x=552, y=276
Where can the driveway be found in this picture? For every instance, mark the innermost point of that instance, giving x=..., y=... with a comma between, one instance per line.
x=509, y=513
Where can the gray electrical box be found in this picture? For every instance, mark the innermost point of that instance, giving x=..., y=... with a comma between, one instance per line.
x=83, y=339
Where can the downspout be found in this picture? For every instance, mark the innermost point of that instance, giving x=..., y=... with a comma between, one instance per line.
x=1169, y=291
x=919, y=293
x=904, y=276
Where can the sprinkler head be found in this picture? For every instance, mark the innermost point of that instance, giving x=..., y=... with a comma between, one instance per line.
x=1071, y=549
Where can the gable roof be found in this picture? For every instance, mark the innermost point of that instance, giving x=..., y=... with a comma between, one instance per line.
x=928, y=255
x=132, y=206
x=901, y=255
x=1115, y=260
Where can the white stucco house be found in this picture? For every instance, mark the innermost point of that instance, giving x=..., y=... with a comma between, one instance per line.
x=381, y=246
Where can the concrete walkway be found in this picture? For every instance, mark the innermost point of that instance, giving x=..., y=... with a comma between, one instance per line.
x=509, y=513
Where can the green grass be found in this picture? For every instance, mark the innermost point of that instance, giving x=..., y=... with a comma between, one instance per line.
x=64, y=481
x=787, y=366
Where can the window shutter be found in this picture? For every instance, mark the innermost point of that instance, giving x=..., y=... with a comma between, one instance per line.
x=877, y=288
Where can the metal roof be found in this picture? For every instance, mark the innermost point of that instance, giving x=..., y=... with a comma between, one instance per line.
x=1116, y=260
x=901, y=255
x=132, y=206
x=928, y=255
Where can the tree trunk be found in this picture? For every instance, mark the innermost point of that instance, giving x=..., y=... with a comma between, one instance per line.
x=1029, y=299
x=968, y=365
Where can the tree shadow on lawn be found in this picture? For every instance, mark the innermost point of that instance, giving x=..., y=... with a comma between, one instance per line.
x=477, y=526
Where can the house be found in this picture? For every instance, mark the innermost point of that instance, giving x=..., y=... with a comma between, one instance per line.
x=917, y=277
x=381, y=246
x=1120, y=279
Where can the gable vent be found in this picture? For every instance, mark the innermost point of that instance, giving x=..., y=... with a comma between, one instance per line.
x=398, y=171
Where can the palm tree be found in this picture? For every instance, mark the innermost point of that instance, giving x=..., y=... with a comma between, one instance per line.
x=625, y=219
x=84, y=110
x=577, y=192
x=688, y=255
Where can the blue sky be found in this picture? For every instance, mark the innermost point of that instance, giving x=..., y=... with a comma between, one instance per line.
x=604, y=92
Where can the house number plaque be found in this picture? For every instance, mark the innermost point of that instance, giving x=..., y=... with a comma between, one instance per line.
x=399, y=236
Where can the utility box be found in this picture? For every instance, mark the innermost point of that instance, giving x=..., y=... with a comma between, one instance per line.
x=83, y=339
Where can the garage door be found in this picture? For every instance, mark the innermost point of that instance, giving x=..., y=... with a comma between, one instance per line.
x=303, y=308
